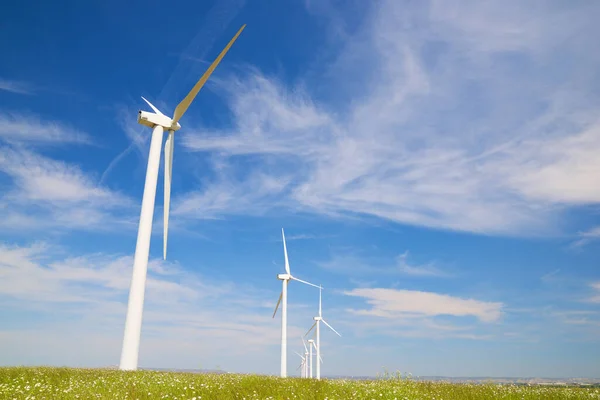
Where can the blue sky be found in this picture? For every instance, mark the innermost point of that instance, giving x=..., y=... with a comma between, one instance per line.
x=435, y=167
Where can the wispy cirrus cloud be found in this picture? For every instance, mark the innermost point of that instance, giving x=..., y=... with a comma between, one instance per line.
x=18, y=87
x=485, y=136
x=595, y=298
x=45, y=193
x=586, y=237
x=29, y=129
x=350, y=264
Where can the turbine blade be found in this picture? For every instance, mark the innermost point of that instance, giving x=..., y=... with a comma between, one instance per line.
x=330, y=327
x=169, y=146
x=185, y=103
x=300, y=280
x=311, y=328
x=156, y=110
x=287, y=262
x=321, y=359
x=299, y=355
x=304, y=343
x=320, y=290
x=277, y=306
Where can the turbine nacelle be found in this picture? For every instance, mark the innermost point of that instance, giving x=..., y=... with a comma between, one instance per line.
x=151, y=120
x=317, y=318
x=284, y=277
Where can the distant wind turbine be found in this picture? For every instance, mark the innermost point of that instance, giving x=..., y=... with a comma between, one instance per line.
x=302, y=365
x=305, y=357
x=159, y=123
x=318, y=319
x=285, y=278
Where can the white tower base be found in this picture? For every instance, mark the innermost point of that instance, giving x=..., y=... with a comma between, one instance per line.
x=135, y=307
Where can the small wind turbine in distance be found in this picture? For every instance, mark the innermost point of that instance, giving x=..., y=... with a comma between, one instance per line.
x=302, y=365
x=285, y=278
x=305, y=357
x=318, y=319
x=159, y=123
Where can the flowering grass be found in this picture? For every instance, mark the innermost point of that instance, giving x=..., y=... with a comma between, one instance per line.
x=67, y=383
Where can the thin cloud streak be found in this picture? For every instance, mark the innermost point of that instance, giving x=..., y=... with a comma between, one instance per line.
x=18, y=87
x=28, y=129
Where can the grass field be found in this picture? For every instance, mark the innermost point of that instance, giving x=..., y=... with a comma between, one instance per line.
x=65, y=383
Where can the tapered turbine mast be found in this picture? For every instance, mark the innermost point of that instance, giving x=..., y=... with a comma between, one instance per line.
x=285, y=278
x=318, y=320
x=159, y=123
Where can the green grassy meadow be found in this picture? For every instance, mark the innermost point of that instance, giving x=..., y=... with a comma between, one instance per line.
x=67, y=383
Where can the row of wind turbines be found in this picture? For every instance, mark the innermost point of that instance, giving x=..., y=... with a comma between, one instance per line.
x=159, y=123
x=306, y=361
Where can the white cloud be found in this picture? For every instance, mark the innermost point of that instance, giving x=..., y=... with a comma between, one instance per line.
x=16, y=86
x=587, y=237
x=188, y=319
x=18, y=128
x=417, y=270
x=350, y=264
x=391, y=303
x=51, y=193
x=596, y=297
x=485, y=135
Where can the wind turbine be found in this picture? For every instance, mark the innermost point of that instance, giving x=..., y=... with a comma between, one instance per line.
x=318, y=319
x=285, y=278
x=302, y=365
x=305, y=358
x=159, y=123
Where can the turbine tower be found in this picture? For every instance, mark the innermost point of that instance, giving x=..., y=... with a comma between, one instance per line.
x=318, y=319
x=159, y=123
x=311, y=344
x=285, y=278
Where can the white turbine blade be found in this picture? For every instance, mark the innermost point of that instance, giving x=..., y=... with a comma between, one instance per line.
x=156, y=110
x=287, y=263
x=320, y=358
x=311, y=328
x=185, y=103
x=169, y=146
x=299, y=355
x=330, y=327
x=304, y=343
x=300, y=280
x=277, y=306
x=320, y=290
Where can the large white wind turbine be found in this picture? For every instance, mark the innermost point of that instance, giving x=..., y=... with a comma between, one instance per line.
x=285, y=278
x=318, y=319
x=159, y=123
